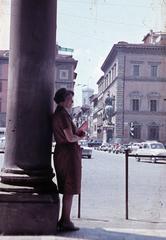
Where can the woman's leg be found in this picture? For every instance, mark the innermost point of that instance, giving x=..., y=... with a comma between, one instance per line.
x=65, y=223
x=66, y=207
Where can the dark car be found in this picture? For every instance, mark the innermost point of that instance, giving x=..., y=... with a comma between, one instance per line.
x=94, y=143
x=125, y=147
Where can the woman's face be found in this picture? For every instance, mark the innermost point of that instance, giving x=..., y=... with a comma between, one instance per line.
x=68, y=101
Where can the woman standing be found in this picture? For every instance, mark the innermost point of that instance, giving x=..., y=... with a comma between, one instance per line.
x=67, y=156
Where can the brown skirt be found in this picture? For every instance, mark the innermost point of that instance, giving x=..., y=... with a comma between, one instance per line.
x=67, y=163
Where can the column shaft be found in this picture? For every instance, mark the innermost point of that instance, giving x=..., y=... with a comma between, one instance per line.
x=30, y=90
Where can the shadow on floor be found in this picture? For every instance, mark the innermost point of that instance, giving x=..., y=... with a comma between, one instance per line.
x=108, y=234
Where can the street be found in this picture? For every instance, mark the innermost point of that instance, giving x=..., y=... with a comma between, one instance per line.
x=103, y=189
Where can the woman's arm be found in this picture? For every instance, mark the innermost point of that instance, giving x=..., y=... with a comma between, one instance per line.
x=70, y=136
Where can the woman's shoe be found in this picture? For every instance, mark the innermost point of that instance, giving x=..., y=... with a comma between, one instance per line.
x=65, y=227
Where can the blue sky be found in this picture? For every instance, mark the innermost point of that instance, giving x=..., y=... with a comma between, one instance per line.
x=91, y=27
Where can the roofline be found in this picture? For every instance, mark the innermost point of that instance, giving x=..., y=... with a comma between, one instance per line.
x=147, y=35
x=66, y=60
x=100, y=79
x=118, y=47
x=108, y=57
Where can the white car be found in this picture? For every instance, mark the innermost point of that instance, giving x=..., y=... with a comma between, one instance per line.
x=86, y=151
x=135, y=147
x=153, y=148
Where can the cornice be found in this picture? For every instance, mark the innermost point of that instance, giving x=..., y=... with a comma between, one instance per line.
x=109, y=58
x=146, y=49
x=143, y=113
x=100, y=80
x=100, y=95
x=144, y=79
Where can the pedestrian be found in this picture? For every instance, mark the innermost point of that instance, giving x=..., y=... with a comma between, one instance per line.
x=67, y=156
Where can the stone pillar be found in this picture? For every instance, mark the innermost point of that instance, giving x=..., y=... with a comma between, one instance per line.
x=104, y=134
x=29, y=202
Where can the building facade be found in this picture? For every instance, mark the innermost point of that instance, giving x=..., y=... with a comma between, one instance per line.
x=64, y=77
x=64, y=72
x=4, y=56
x=135, y=76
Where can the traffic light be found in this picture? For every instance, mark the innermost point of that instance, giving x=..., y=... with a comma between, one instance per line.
x=131, y=129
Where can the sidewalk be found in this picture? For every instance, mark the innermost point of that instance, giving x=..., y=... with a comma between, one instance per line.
x=115, y=229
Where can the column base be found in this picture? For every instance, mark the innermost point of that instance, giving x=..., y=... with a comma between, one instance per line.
x=28, y=212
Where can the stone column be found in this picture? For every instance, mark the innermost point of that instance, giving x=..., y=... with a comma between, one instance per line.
x=104, y=132
x=28, y=194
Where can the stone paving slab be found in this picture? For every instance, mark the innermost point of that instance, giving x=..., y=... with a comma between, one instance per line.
x=108, y=230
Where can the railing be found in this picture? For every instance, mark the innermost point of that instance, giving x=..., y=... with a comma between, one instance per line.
x=127, y=155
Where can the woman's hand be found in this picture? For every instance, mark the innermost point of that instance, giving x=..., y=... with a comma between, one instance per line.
x=73, y=137
x=80, y=133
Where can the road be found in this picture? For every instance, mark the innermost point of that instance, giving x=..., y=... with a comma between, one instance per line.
x=103, y=189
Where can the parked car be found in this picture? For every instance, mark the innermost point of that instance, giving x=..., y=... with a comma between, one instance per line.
x=86, y=151
x=94, y=143
x=110, y=148
x=153, y=148
x=118, y=149
x=2, y=143
x=135, y=147
x=115, y=148
x=125, y=147
x=104, y=147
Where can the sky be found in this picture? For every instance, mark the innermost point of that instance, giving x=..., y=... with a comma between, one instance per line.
x=91, y=27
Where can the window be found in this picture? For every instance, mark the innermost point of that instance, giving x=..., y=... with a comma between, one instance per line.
x=106, y=81
x=146, y=146
x=64, y=74
x=109, y=77
x=114, y=72
x=153, y=105
x=135, y=104
x=136, y=69
x=153, y=132
x=154, y=71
